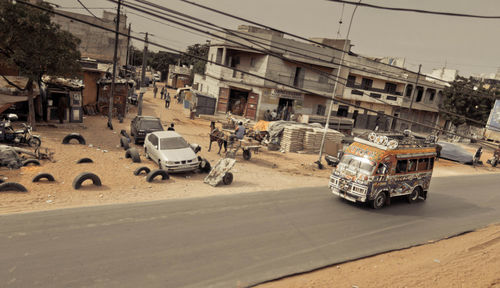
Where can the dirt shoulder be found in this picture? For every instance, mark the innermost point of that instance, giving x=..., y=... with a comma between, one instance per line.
x=265, y=171
x=470, y=260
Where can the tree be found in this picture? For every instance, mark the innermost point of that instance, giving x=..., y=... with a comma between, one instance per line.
x=31, y=42
x=199, y=50
x=469, y=98
x=161, y=60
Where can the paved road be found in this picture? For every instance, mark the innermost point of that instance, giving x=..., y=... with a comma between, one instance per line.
x=227, y=241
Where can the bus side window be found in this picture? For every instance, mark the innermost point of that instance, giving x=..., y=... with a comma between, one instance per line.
x=423, y=163
x=412, y=165
x=431, y=163
x=401, y=166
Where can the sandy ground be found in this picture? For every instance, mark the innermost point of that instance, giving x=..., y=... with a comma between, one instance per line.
x=265, y=171
x=470, y=260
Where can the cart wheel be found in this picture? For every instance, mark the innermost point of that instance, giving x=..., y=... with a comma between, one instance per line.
x=247, y=154
x=228, y=178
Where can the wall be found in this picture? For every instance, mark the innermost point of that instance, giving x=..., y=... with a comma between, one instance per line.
x=96, y=43
x=90, y=91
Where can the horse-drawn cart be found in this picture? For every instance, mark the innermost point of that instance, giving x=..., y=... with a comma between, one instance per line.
x=247, y=146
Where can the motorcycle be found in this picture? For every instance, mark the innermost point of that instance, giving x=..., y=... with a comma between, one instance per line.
x=19, y=136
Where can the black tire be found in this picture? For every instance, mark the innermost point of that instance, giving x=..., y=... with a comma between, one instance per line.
x=139, y=170
x=124, y=142
x=158, y=172
x=84, y=160
x=379, y=200
x=494, y=163
x=205, y=166
x=134, y=154
x=72, y=136
x=42, y=175
x=34, y=142
x=82, y=177
x=247, y=154
x=31, y=161
x=413, y=197
x=228, y=178
x=1, y=181
x=12, y=186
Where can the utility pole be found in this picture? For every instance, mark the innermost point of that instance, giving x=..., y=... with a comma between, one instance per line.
x=413, y=97
x=329, y=115
x=112, y=95
x=143, y=75
x=128, y=44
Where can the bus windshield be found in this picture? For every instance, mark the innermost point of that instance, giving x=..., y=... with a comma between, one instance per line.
x=356, y=164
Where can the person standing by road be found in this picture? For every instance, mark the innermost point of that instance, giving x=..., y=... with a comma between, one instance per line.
x=167, y=100
x=162, y=92
x=155, y=90
x=478, y=154
x=171, y=128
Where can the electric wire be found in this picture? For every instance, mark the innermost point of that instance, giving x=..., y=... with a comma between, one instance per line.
x=416, y=10
x=87, y=9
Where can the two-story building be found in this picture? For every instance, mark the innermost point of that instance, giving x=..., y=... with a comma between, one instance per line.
x=390, y=90
x=250, y=96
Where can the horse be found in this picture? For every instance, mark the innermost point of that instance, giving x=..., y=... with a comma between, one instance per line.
x=218, y=136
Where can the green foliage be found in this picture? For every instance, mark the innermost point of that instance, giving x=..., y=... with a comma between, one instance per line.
x=469, y=98
x=30, y=41
x=199, y=50
x=162, y=59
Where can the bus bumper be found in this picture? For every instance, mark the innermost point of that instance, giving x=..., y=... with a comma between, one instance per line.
x=348, y=196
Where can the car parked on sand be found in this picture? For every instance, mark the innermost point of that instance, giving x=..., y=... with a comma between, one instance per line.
x=171, y=151
x=140, y=126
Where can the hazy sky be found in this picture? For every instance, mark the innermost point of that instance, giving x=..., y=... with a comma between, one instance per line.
x=470, y=45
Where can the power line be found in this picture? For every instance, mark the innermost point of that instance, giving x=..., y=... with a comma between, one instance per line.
x=295, y=35
x=87, y=9
x=281, y=57
x=235, y=69
x=416, y=10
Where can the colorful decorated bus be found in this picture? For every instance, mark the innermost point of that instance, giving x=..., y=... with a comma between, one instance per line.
x=379, y=168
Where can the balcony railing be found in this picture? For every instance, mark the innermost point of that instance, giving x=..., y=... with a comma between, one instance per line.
x=357, y=86
x=307, y=84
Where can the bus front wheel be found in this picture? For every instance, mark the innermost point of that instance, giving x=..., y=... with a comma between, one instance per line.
x=379, y=200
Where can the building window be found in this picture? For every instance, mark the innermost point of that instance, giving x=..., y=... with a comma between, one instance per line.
x=376, y=95
x=420, y=93
x=432, y=93
x=218, y=58
x=351, y=80
x=323, y=78
x=342, y=111
x=390, y=88
x=320, y=110
x=252, y=62
x=392, y=98
x=409, y=90
x=366, y=83
x=298, y=79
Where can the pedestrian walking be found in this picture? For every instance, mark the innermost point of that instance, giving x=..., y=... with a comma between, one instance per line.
x=478, y=154
x=155, y=90
x=167, y=100
x=162, y=92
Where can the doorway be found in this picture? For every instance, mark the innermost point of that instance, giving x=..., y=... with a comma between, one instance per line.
x=285, y=108
x=237, y=102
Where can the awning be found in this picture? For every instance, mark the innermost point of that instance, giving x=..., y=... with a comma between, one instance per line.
x=10, y=99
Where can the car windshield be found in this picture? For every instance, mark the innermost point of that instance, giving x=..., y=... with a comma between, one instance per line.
x=173, y=143
x=150, y=124
x=357, y=164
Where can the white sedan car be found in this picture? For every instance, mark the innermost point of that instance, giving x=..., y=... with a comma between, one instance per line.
x=171, y=151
